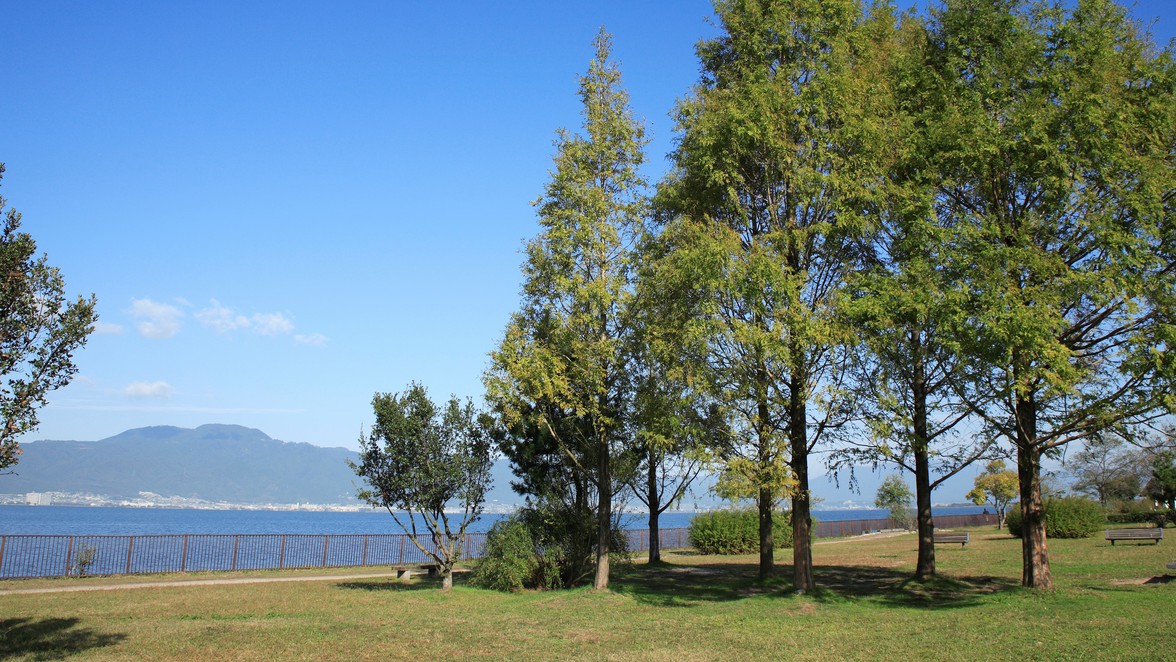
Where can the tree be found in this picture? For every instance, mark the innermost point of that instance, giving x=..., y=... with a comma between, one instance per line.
x=39, y=332
x=997, y=486
x=418, y=459
x=563, y=363
x=762, y=211
x=901, y=301
x=1105, y=470
x=1051, y=131
x=895, y=496
x=1162, y=485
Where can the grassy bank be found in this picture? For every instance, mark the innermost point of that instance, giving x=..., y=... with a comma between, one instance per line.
x=1111, y=602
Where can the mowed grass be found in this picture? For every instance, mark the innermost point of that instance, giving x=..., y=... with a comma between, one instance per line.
x=1111, y=603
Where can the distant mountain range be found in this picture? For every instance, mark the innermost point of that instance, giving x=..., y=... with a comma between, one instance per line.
x=239, y=465
x=228, y=463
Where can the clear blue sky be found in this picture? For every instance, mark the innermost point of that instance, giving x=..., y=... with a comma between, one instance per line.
x=285, y=207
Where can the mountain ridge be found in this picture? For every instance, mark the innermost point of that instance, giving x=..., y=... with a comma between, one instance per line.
x=213, y=462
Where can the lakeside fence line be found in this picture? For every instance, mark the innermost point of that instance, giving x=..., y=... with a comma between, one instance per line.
x=29, y=556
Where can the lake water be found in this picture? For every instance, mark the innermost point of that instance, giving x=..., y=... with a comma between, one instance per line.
x=78, y=520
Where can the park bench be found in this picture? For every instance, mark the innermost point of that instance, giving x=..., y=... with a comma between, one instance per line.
x=405, y=571
x=951, y=536
x=1156, y=534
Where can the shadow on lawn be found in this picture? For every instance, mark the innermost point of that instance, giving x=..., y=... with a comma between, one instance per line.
x=392, y=585
x=680, y=585
x=50, y=638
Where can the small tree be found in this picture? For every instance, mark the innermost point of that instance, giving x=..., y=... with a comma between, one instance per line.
x=39, y=332
x=895, y=496
x=417, y=459
x=997, y=486
x=1162, y=486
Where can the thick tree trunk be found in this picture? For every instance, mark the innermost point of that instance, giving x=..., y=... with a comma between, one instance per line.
x=766, y=545
x=447, y=580
x=654, y=505
x=802, y=523
x=603, y=518
x=925, y=567
x=1035, y=571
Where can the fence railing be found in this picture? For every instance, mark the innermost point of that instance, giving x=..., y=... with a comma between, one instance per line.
x=28, y=556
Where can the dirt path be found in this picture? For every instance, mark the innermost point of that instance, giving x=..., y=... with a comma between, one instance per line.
x=191, y=582
x=865, y=536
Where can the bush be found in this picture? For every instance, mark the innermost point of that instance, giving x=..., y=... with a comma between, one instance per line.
x=1141, y=512
x=1065, y=517
x=736, y=531
x=546, y=546
x=509, y=562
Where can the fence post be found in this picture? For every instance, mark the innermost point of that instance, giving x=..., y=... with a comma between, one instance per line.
x=3, y=544
x=362, y=562
x=184, y=555
x=130, y=548
x=401, y=561
x=68, y=556
x=282, y=554
x=326, y=541
x=236, y=540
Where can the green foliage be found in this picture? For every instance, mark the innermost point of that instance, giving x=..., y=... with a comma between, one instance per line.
x=1162, y=486
x=559, y=377
x=895, y=496
x=736, y=531
x=545, y=546
x=997, y=486
x=1142, y=513
x=420, y=459
x=510, y=562
x=1065, y=517
x=39, y=332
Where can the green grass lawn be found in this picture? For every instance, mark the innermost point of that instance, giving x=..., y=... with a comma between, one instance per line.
x=1111, y=603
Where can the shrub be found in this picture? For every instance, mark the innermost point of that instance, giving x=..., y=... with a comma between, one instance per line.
x=1142, y=512
x=1065, y=517
x=736, y=531
x=509, y=562
x=547, y=546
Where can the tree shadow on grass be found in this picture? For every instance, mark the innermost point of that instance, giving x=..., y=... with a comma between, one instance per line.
x=50, y=638
x=682, y=585
x=391, y=585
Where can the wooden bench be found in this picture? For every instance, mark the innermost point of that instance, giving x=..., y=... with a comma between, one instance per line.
x=1156, y=534
x=951, y=536
x=405, y=571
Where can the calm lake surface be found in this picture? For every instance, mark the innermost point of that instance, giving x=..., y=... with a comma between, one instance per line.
x=80, y=520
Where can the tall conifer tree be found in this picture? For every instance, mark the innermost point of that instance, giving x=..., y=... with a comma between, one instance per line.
x=562, y=366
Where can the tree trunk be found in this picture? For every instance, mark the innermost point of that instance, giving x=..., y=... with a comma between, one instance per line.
x=603, y=517
x=1035, y=571
x=765, y=500
x=654, y=506
x=925, y=567
x=802, y=523
x=446, y=580
x=766, y=544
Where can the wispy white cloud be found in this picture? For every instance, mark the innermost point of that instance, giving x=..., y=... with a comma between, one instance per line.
x=221, y=318
x=272, y=324
x=107, y=328
x=161, y=390
x=155, y=319
x=313, y=339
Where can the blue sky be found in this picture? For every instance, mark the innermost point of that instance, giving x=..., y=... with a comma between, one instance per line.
x=285, y=207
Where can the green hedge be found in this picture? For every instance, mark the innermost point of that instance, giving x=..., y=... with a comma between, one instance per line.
x=736, y=531
x=1065, y=517
x=1161, y=517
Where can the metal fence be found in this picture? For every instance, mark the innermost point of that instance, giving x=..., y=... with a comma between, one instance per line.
x=61, y=556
